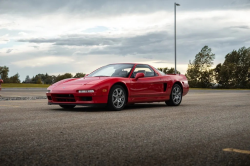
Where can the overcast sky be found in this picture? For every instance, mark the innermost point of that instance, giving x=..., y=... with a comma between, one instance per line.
x=59, y=36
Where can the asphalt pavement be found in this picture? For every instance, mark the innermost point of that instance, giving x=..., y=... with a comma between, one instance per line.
x=22, y=92
x=210, y=127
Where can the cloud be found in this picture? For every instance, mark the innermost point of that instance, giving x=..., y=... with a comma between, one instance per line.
x=9, y=51
x=86, y=40
x=37, y=47
x=22, y=33
x=241, y=27
x=43, y=61
x=142, y=44
x=113, y=7
x=4, y=39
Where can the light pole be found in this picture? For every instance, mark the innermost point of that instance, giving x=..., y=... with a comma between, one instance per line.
x=175, y=4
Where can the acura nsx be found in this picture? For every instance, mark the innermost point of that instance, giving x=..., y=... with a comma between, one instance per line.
x=118, y=85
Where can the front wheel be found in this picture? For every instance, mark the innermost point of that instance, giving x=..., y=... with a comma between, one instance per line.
x=117, y=98
x=67, y=106
x=176, y=96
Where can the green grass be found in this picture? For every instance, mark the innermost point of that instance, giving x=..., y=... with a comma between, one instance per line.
x=10, y=85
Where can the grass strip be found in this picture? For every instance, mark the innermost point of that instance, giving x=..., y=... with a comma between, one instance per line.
x=12, y=85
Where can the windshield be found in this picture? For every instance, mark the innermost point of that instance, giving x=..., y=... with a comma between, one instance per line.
x=113, y=70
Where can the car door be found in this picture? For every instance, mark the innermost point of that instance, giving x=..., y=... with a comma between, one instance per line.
x=147, y=87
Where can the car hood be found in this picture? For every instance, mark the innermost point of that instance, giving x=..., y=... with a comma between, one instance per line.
x=78, y=82
x=85, y=81
x=74, y=84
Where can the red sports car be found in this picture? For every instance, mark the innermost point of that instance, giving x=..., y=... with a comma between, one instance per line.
x=117, y=85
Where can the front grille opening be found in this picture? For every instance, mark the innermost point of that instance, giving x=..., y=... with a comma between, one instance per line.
x=64, y=97
x=86, y=98
x=49, y=97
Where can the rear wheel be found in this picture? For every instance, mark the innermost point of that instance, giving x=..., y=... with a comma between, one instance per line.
x=67, y=106
x=117, y=98
x=176, y=96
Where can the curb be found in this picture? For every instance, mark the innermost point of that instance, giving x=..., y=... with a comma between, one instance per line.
x=22, y=98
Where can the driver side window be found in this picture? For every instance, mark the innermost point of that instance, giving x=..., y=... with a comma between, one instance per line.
x=148, y=72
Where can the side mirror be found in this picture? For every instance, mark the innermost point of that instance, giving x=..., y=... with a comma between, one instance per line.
x=86, y=75
x=139, y=75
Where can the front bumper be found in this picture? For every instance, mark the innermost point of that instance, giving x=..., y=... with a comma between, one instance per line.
x=81, y=104
x=76, y=99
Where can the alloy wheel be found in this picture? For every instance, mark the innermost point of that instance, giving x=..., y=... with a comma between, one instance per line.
x=176, y=95
x=118, y=98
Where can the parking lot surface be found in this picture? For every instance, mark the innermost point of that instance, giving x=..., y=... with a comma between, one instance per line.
x=210, y=127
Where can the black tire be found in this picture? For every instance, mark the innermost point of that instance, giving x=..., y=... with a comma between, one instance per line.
x=175, y=96
x=117, y=98
x=67, y=106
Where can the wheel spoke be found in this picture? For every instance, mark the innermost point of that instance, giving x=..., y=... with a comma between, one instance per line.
x=119, y=104
x=120, y=93
x=115, y=93
x=115, y=101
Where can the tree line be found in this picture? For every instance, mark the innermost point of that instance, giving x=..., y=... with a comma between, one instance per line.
x=50, y=79
x=234, y=72
x=4, y=72
x=37, y=79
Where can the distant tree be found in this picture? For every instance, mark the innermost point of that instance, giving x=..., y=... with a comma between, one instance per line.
x=48, y=80
x=43, y=78
x=235, y=71
x=39, y=81
x=14, y=79
x=40, y=78
x=199, y=72
x=166, y=70
x=53, y=78
x=27, y=79
x=217, y=71
x=36, y=79
x=4, y=71
x=64, y=76
x=79, y=75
